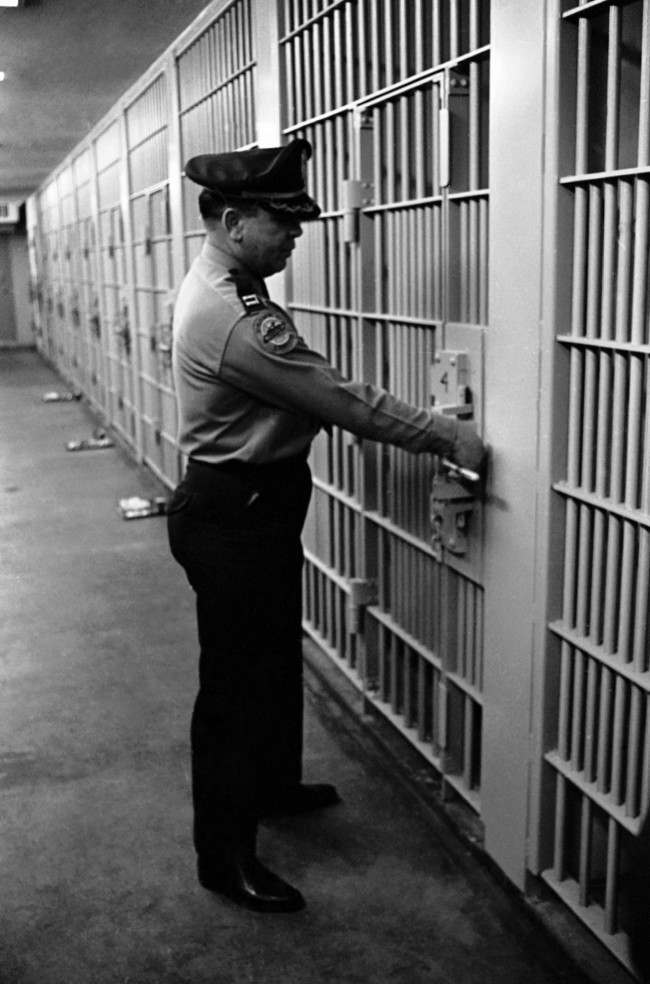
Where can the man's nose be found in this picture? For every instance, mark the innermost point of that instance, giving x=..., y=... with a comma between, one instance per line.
x=296, y=230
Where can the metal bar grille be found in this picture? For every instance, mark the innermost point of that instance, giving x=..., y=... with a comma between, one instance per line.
x=215, y=83
x=147, y=122
x=360, y=86
x=601, y=754
x=114, y=307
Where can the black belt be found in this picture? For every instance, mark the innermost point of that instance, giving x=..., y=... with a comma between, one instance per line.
x=287, y=481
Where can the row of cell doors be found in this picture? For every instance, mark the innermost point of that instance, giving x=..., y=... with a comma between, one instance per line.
x=103, y=311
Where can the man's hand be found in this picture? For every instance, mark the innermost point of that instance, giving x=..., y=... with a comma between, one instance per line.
x=469, y=450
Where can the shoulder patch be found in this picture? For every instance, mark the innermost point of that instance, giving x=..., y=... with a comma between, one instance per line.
x=276, y=333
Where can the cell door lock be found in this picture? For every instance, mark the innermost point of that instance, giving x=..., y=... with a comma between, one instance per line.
x=356, y=195
x=122, y=326
x=453, y=499
x=363, y=592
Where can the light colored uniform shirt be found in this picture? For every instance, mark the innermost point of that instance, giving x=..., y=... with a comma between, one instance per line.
x=250, y=389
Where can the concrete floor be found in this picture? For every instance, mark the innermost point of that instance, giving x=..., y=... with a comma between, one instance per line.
x=97, y=674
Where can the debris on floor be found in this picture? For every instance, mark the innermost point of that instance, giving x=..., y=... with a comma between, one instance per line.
x=138, y=507
x=54, y=396
x=97, y=442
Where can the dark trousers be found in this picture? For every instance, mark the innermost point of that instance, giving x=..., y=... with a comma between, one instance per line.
x=235, y=529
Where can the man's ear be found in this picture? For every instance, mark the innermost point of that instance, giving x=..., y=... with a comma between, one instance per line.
x=231, y=223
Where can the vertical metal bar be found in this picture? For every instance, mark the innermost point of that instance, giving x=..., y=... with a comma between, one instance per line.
x=363, y=30
x=611, y=878
x=474, y=25
x=375, y=47
x=468, y=740
x=559, y=833
x=604, y=730
x=635, y=747
x=592, y=318
x=474, y=98
x=453, y=29
x=436, y=40
x=626, y=612
x=618, y=741
x=483, y=261
x=610, y=615
x=582, y=95
x=584, y=570
x=575, y=418
x=577, y=710
x=643, y=150
x=645, y=776
x=389, y=48
x=584, y=863
x=642, y=604
x=403, y=39
x=340, y=45
x=590, y=721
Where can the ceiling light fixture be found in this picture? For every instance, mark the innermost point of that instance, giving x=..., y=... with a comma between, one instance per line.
x=2, y=76
x=9, y=3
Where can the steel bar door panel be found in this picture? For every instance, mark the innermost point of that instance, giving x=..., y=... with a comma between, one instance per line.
x=66, y=301
x=600, y=759
x=215, y=77
x=378, y=287
x=85, y=281
x=54, y=347
x=114, y=301
x=147, y=125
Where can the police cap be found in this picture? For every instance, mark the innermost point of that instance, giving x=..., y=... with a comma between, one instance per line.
x=273, y=177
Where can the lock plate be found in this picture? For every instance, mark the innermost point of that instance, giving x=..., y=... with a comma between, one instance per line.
x=452, y=506
x=450, y=389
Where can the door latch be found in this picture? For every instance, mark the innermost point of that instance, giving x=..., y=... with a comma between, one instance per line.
x=362, y=593
x=122, y=326
x=356, y=195
x=452, y=506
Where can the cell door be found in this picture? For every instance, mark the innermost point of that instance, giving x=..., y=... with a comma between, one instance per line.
x=154, y=299
x=147, y=123
x=405, y=257
x=90, y=313
x=113, y=285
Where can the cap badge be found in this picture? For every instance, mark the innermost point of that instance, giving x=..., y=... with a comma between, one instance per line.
x=276, y=334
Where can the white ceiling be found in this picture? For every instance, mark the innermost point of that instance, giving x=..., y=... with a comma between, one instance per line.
x=66, y=62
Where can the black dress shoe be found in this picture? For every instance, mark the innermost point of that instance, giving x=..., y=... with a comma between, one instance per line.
x=246, y=881
x=300, y=799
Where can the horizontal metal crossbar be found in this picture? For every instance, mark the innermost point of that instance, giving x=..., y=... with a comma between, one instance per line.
x=405, y=203
x=604, y=343
x=593, y=915
x=144, y=140
x=414, y=541
x=640, y=171
x=321, y=15
x=598, y=653
x=143, y=192
x=606, y=505
x=401, y=319
x=350, y=672
x=384, y=95
x=396, y=629
x=329, y=572
x=223, y=84
x=590, y=789
x=337, y=494
x=592, y=7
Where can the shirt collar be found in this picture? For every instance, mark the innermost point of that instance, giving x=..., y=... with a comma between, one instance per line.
x=227, y=262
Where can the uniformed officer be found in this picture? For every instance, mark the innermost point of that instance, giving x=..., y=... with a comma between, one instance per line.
x=252, y=396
